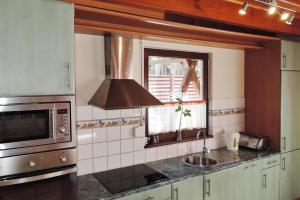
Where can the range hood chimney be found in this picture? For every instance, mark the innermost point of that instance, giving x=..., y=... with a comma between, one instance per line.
x=119, y=90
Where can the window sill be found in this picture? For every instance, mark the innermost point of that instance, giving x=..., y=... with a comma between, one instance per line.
x=170, y=138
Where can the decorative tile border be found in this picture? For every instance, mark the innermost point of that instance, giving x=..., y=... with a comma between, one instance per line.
x=226, y=112
x=107, y=123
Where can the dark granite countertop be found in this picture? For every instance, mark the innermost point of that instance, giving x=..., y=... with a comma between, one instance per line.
x=89, y=188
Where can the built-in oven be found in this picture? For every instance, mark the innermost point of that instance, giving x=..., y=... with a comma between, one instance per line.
x=37, y=135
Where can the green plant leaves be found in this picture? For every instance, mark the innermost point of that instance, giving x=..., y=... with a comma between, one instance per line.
x=178, y=109
x=179, y=99
x=186, y=113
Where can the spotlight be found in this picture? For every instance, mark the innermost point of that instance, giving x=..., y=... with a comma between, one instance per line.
x=290, y=20
x=243, y=10
x=273, y=7
x=284, y=16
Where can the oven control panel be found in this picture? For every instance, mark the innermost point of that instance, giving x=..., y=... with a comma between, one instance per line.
x=62, y=124
x=36, y=162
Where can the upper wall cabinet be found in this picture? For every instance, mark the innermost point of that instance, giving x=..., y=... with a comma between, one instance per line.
x=290, y=53
x=36, y=47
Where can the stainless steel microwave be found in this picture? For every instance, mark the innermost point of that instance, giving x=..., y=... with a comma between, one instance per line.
x=35, y=124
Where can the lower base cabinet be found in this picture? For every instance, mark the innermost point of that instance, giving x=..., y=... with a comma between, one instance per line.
x=290, y=176
x=270, y=183
x=248, y=184
x=221, y=185
x=161, y=193
x=189, y=189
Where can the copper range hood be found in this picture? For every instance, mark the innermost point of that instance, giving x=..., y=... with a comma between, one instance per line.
x=119, y=90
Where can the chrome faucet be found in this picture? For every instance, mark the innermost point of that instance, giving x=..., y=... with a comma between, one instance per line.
x=205, y=151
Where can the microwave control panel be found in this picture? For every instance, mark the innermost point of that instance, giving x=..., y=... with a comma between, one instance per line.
x=63, y=127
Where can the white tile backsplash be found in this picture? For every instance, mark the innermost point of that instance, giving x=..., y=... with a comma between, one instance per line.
x=102, y=149
x=192, y=147
x=182, y=149
x=113, y=133
x=139, y=157
x=85, y=136
x=127, y=113
x=85, y=151
x=127, y=159
x=172, y=150
x=114, y=161
x=139, y=143
x=84, y=167
x=100, y=135
x=151, y=154
x=219, y=104
x=112, y=114
x=84, y=113
x=100, y=164
x=162, y=152
x=127, y=132
x=126, y=145
x=98, y=113
x=114, y=147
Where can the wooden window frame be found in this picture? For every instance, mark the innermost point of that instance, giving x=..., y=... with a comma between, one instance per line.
x=168, y=138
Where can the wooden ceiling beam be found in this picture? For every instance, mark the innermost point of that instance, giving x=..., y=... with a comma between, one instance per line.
x=99, y=20
x=123, y=8
x=225, y=11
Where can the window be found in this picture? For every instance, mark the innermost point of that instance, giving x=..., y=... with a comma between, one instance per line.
x=169, y=75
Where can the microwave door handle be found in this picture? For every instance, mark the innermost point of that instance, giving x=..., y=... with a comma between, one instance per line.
x=52, y=124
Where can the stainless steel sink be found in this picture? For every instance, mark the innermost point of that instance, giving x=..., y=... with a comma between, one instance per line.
x=197, y=160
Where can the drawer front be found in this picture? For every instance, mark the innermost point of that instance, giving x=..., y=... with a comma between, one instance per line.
x=161, y=193
x=271, y=161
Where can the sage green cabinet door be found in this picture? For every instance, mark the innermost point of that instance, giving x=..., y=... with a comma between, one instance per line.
x=222, y=185
x=36, y=47
x=290, y=110
x=161, y=193
x=290, y=176
x=270, y=183
x=290, y=52
x=191, y=189
x=249, y=181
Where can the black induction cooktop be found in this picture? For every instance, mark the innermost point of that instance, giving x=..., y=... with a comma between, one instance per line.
x=128, y=178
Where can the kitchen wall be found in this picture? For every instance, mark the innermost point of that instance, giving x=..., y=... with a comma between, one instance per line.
x=105, y=138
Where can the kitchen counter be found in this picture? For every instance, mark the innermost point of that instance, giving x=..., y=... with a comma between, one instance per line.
x=87, y=187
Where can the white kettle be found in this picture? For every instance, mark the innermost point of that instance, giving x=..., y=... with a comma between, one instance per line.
x=232, y=141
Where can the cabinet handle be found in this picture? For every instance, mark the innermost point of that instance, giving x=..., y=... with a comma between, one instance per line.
x=265, y=181
x=284, y=60
x=176, y=193
x=69, y=75
x=283, y=164
x=208, y=188
x=249, y=166
x=284, y=143
x=150, y=198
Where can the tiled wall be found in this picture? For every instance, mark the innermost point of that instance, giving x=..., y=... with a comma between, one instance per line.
x=106, y=140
